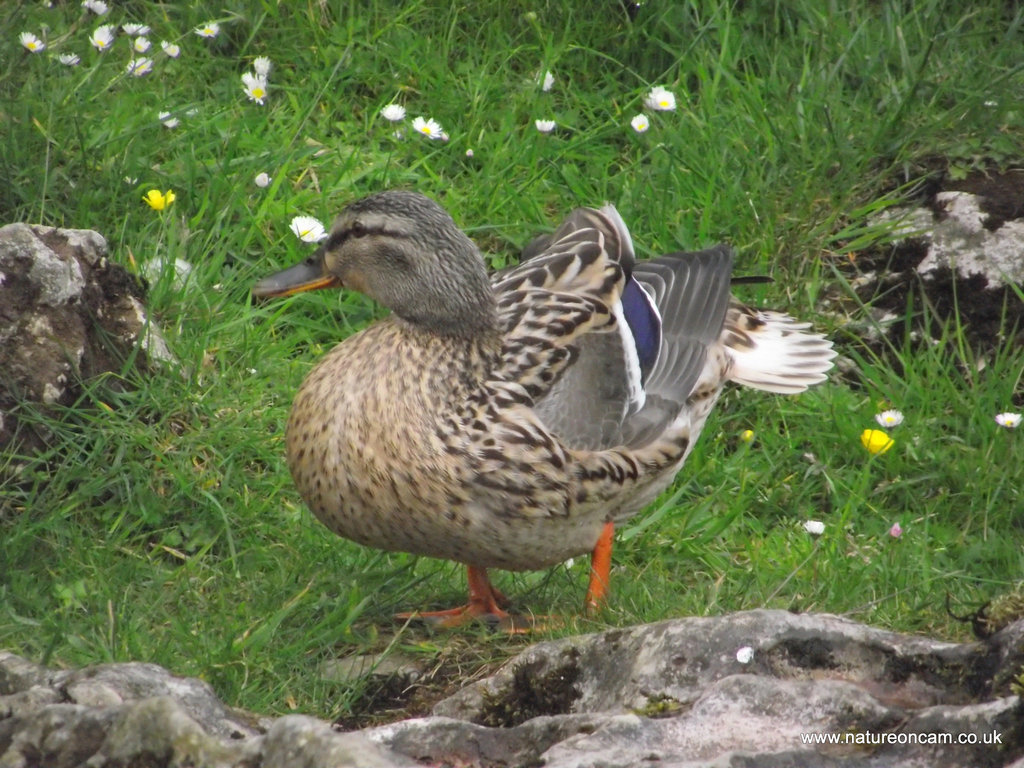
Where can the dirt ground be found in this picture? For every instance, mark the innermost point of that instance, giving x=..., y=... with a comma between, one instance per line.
x=990, y=318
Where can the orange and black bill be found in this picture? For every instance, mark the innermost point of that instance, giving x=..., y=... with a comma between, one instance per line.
x=307, y=275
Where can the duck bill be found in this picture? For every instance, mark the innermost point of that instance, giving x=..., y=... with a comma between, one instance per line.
x=308, y=275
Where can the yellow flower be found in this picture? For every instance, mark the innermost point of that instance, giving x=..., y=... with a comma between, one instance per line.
x=747, y=435
x=158, y=200
x=876, y=441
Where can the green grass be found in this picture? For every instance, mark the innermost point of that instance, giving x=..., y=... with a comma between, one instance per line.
x=162, y=525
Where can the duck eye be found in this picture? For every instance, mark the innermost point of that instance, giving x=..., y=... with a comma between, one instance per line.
x=358, y=229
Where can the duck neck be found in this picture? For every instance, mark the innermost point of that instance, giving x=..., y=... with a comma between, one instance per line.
x=461, y=360
x=467, y=312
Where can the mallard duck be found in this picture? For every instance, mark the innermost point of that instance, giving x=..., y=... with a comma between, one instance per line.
x=512, y=421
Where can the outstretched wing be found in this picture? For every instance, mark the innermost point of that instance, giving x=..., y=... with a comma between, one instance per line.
x=624, y=380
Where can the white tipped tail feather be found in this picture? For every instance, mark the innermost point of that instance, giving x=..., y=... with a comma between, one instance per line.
x=774, y=352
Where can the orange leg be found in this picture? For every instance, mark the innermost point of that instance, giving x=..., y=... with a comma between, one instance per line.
x=600, y=569
x=484, y=602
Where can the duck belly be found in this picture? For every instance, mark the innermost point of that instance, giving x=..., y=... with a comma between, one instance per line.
x=377, y=461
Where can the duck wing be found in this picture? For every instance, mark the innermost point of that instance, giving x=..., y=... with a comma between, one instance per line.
x=627, y=378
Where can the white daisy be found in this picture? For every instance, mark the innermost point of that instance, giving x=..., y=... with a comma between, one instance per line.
x=428, y=127
x=135, y=30
x=640, y=123
x=660, y=99
x=96, y=6
x=1008, y=420
x=263, y=180
x=261, y=66
x=69, y=59
x=545, y=126
x=141, y=44
x=546, y=80
x=102, y=37
x=393, y=112
x=255, y=87
x=890, y=418
x=208, y=30
x=171, y=49
x=31, y=42
x=308, y=229
x=814, y=527
x=168, y=119
x=139, y=67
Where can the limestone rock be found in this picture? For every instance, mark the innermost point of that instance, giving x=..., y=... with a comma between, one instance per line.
x=959, y=239
x=675, y=692
x=66, y=314
x=962, y=249
x=816, y=690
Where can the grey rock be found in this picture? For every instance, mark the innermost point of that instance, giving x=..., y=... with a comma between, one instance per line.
x=959, y=239
x=391, y=666
x=115, y=684
x=816, y=690
x=296, y=741
x=962, y=242
x=67, y=314
x=963, y=252
x=655, y=688
x=18, y=674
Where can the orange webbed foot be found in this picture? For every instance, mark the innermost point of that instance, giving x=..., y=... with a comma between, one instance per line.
x=486, y=603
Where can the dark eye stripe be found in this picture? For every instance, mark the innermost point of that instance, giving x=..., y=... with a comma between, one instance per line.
x=336, y=239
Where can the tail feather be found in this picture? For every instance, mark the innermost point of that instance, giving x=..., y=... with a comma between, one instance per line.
x=773, y=352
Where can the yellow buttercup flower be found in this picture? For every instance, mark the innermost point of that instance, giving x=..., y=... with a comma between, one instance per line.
x=158, y=200
x=876, y=441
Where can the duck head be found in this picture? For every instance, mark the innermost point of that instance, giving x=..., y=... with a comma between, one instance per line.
x=404, y=251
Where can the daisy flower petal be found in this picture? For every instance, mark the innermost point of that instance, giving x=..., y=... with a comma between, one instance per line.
x=1008, y=420
x=545, y=126
x=393, y=112
x=660, y=99
x=171, y=49
x=261, y=66
x=890, y=418
x=208, y=30
x=98, y=7
x=308, y=229
x=428, y=127
x=168, y=119
x=814, y=527
x=139, y=67
x=640, y=123
x=255, y=87
x=69, y=59
x=102, y=37
x=31, y=43
x=263, y=180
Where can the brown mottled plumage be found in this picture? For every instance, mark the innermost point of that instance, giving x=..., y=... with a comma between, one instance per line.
x=509, y=422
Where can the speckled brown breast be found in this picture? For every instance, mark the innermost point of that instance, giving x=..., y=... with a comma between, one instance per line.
x=387, y=459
